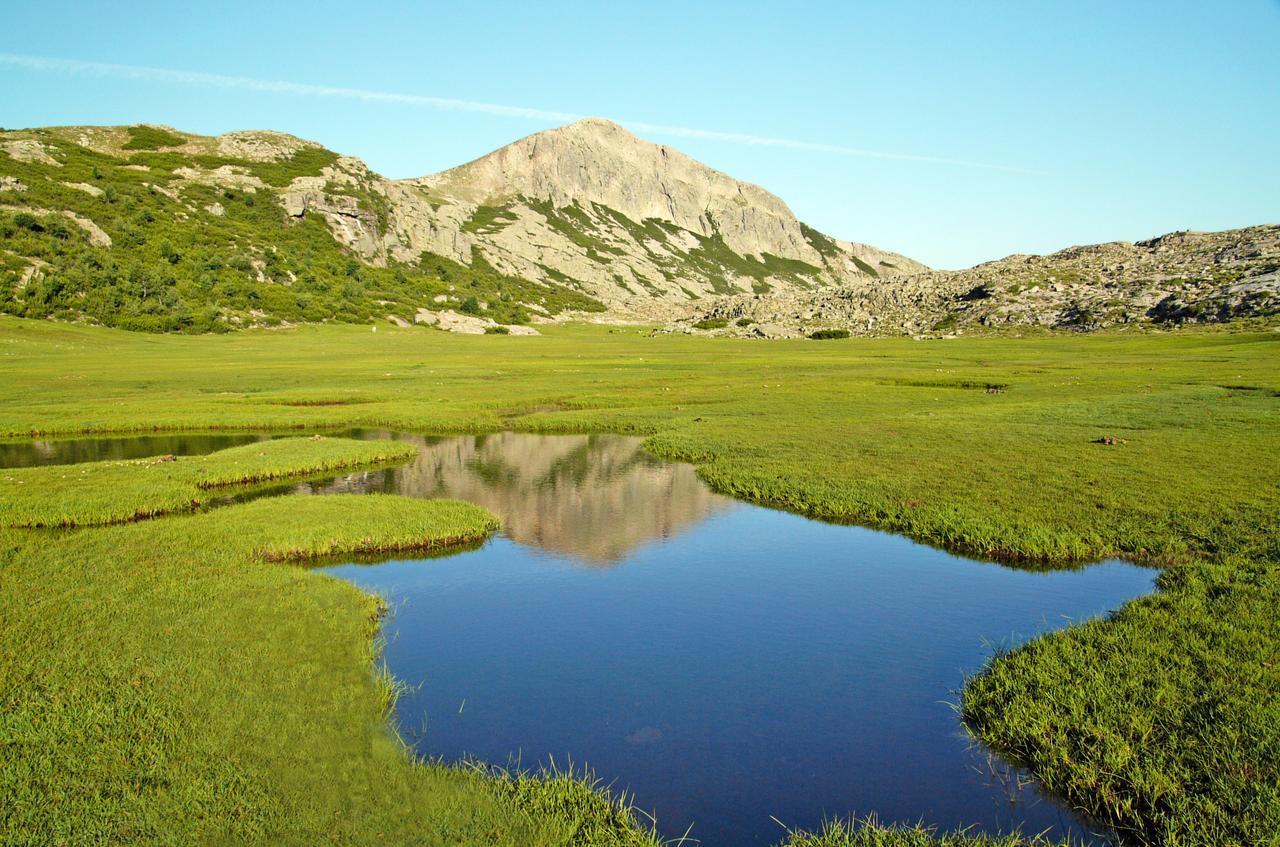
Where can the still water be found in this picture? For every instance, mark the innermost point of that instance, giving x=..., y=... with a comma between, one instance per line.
x=726, y=663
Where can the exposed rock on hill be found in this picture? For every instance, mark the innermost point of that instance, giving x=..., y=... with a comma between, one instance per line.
x=587, y=217
x=635, y=225
x=1176, y=278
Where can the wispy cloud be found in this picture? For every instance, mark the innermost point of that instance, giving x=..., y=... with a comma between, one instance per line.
x=208, y=80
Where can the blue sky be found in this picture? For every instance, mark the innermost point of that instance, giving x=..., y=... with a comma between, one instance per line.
x=1067, y=122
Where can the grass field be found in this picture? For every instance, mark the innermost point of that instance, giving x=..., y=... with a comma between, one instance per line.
x=1162, y=448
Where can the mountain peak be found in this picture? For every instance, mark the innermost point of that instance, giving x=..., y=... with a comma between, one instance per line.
x=593, y=124
x=597, y=161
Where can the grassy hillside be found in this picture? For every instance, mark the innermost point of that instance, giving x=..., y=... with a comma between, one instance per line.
x=1161, y=721
x=177, y=253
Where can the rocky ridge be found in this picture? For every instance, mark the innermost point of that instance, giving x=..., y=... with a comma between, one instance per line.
x=1181, y=277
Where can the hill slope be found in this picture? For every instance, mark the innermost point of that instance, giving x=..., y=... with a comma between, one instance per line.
x=1182, y=277
x=153, y=229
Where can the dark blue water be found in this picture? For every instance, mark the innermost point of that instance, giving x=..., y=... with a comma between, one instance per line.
x=728, y=664
x=729, y=667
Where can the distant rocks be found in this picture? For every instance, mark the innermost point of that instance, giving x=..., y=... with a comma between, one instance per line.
x=261, y=145
x=1182, y=277
x=451, y=321
x=224, y=176
x=29, y=150
x=91, y=190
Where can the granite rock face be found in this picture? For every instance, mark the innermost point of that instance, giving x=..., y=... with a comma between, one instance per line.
x=639, y=226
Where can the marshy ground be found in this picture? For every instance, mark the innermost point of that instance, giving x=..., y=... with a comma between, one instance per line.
x=1160, y=721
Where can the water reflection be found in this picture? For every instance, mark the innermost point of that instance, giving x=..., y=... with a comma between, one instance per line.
x=596, y=498
x=68, y=451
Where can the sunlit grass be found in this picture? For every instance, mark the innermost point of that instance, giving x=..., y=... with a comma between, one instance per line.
x=1156, y=447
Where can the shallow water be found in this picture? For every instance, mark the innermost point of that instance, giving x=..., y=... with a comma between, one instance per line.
x=728, y=664
x=67, y=451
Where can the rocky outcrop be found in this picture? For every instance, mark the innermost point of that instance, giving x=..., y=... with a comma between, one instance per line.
x=1176, y=278
x=261, y=145
x=224, y=176
x=96, y=236
x=348, y=221
x=451, y=321
x=29, y=150
x=91, y=190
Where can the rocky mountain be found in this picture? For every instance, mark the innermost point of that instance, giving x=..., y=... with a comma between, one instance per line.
x=150, y=228
x=1182, y=277
x=633, y=222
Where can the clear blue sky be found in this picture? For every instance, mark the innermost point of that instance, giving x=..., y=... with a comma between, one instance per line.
x=1102, y=120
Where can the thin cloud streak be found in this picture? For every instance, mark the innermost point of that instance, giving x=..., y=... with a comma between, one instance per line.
x=209, y=80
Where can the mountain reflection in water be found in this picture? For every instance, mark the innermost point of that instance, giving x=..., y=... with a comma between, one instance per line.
x=595, y=498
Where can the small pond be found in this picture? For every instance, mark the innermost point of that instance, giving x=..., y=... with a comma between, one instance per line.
x=726, y=663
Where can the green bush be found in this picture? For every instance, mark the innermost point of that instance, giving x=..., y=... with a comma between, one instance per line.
x=711, y=323
x=27, y=221
x=152, y=138
x=828, y=334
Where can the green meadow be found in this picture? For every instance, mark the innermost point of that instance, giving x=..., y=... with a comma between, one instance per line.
x=183, y=678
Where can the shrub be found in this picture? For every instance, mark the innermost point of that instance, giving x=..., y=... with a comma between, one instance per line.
x=151, y=138
x=827, y=334
x=497, y=330
x=28, y=221
x=745, y=322
x=711, y=323
x=470, y=306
